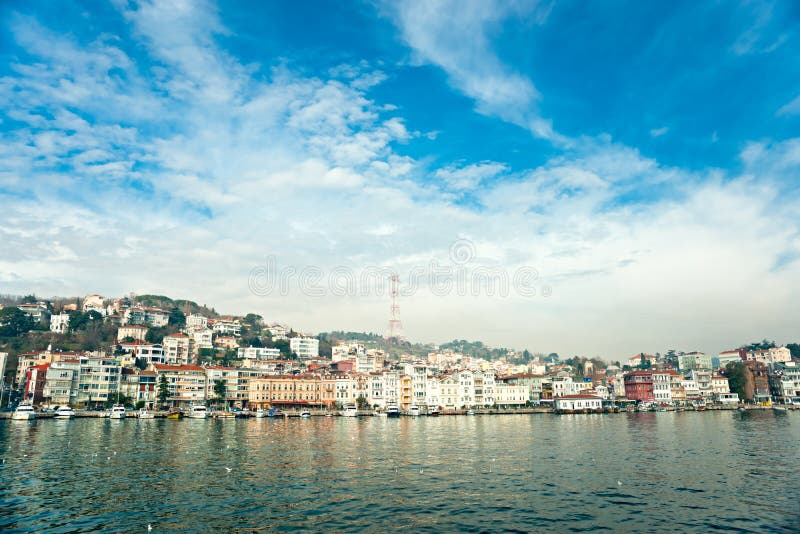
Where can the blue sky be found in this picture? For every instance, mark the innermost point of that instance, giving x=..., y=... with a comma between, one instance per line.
x=642, y=157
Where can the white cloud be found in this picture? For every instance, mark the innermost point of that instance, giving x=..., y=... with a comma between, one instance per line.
x=470, y=176
x=658, y=132
x=790, y=108
x=454, y=35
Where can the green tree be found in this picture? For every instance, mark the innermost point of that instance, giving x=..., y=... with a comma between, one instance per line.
x=177, y=317
x=794, y=348
x=29, y=299
x=163, y=389
x=362, y=403
x=219, y=390
x=253, y=320
x=14, y=322
x=205, y=355
x=736, y=373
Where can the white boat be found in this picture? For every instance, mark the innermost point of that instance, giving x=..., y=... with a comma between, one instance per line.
x=64, y=412
x=378, y=413
x=350, y=410
x=392, y=411
x=305, y=413
x=198, y=412
x=144, y=414
x=413, y=410
x=117, y=412
x=24, y=412
x=470, y=412
x=260, y=414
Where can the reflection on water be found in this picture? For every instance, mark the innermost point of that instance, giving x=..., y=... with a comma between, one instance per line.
x=633, y=472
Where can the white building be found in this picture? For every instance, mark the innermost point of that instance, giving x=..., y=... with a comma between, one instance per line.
x=59, y=323
x=136, y=332
x=579, y=402
x=694, y=361
x=94, y=303
x=178, y=349
x=38, y=312
x=203, y=339
x=61, y=382
x=196, y=321
x=98, y=380
x=306, y=348
x=661, y=388
x=258, y=353
x=729, y=356
x=227, y=327
x=507, y=395
x=141, y=315
x=770, y=356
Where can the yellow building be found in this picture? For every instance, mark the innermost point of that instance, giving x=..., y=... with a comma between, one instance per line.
x=292, y=391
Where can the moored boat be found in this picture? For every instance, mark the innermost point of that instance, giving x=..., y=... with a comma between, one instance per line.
x=413, y=410
x=305, y=413
x=350, y=410
x=64, y=412
x=24, y=412
x=392, y=411
x=433, y=412
x=144, y=414
x=260, y=414
x=198, y=412
x=117, y=412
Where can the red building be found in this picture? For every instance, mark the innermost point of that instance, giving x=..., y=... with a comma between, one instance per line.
x=35, y=379
x=639, y=386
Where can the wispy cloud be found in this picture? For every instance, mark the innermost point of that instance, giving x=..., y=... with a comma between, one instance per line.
x=658, y=132
x=454, y=36
x=790, y=108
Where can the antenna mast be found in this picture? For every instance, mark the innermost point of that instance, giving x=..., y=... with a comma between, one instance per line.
x=395, y=325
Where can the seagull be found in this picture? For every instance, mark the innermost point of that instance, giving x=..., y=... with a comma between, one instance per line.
x=619, y=482
x=228, y=469
x=149, y=528
x=420, y=471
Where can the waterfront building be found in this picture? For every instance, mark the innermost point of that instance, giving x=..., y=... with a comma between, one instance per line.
x=133, y=331
x=99, y=379
x=186, y=383
x=139, y=386
x=719, y=385
x=639, y=386
x=296, y=391
x=786, y=380
x=61, y=386
x=432, y=392
x=690, y=388
x=306, y=348
x=59, y=323
x=237, y=384
x=532, y=381
x=578, y=402
x=35, y=379
x=510, y=395
x=405, y=393
x=759, y=378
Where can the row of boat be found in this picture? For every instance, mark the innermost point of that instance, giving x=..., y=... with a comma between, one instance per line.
x=25, y=411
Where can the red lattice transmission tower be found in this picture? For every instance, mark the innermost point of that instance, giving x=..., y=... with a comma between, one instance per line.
x=395, y=335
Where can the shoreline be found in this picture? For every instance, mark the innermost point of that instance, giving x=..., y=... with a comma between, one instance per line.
x=463, y=413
